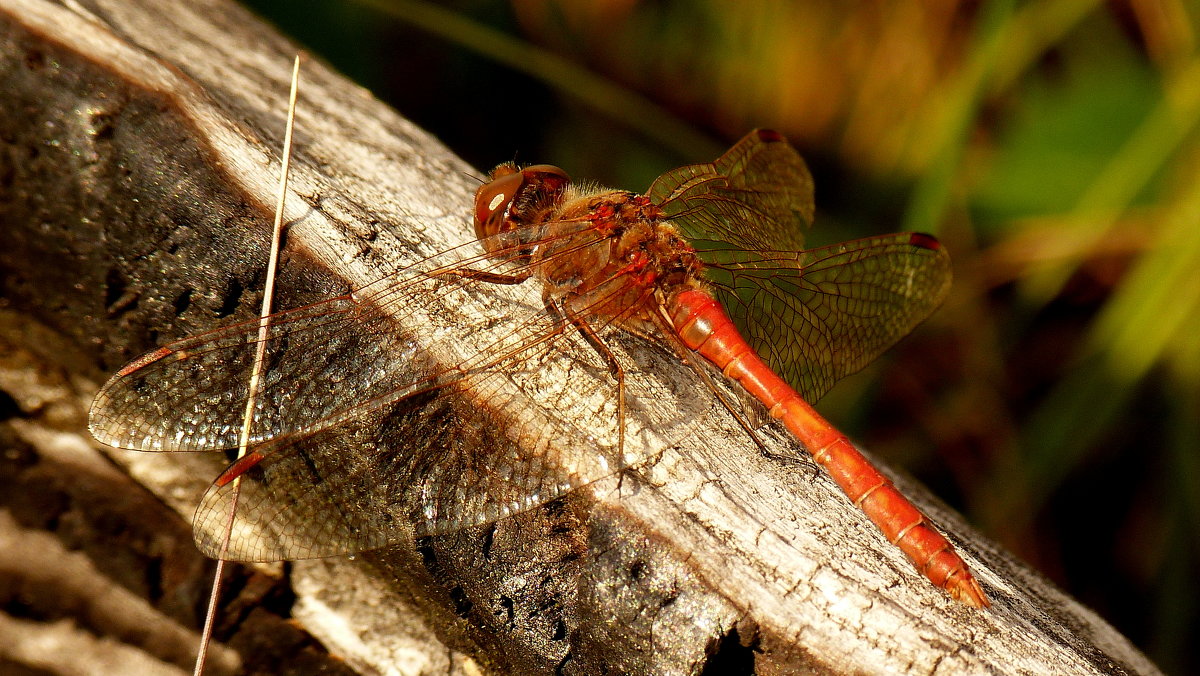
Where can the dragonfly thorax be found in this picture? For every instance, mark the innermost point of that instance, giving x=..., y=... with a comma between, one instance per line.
x=617, y=256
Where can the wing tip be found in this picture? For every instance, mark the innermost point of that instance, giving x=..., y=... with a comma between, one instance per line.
x=142, y=361
x=239, y=467
x=924, y=241
x=769, y=136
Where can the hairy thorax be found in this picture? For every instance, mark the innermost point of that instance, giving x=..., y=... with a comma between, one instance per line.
x=621, y=253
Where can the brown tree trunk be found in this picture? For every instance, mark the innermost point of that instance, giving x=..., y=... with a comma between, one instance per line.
x=137, y=168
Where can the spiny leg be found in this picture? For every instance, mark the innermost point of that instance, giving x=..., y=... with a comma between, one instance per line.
x=589, y=334
x=485, y=276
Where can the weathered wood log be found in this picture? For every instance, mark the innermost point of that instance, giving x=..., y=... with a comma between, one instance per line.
x=136, y=177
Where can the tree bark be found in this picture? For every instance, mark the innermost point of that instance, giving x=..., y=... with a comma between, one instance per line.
x=136, y=182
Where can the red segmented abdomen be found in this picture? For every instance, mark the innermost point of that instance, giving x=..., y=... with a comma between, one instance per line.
x=702, y=324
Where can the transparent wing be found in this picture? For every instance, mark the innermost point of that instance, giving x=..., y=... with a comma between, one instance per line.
x=758, y=196
x=323, y=362
x=435, y=463
x=816, y=316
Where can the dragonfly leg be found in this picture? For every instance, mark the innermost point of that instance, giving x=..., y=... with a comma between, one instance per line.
x=589, y=334
x=485, y=276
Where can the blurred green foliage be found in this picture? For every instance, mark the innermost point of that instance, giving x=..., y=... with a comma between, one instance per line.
x=1052, y=145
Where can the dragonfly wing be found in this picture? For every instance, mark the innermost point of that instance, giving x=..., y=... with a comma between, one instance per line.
x=321, y=363
x=819, y=315
x=367, y=484
x=757, y=196
x=499, y=442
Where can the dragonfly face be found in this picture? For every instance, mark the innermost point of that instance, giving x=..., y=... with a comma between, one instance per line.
x=513, y=197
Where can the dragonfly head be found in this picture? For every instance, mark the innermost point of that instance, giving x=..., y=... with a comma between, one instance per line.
x=513, y=197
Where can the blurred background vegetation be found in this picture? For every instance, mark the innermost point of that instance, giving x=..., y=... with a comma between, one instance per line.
x=1052, y=145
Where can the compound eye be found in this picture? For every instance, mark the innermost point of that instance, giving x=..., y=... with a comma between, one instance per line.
x=546, y=181
x=553, y=177
x=493, y=198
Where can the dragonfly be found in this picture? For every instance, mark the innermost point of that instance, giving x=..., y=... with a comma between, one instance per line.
x=708, y=267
